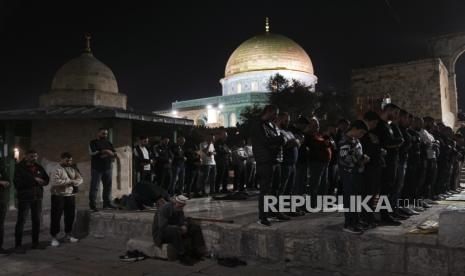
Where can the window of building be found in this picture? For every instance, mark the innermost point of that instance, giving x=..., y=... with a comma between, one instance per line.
x=238, y=88
x=254, y=86
x=232, y=120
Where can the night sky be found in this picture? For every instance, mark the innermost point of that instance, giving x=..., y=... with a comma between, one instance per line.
x=178, y=51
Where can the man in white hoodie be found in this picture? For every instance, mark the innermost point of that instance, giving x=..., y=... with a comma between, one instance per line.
x=64, y=182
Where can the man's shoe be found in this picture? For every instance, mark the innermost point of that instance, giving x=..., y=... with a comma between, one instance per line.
x=130, y=256
x=38, y=246
x=389, y=222
x=71, y=239
x=19, y=250
x=425, y=205
x=186, y=260
x=281, y=217
x=93, y=208
x=109, y=206
x=352, y=230
x=264, y=222
x=55, y=242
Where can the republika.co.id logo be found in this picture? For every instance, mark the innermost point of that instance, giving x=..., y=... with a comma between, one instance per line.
x=328, y=204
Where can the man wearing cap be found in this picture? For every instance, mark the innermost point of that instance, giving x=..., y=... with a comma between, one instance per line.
x=170, y=226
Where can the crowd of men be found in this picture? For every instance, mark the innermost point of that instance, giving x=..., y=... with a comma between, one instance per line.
x=389, y=153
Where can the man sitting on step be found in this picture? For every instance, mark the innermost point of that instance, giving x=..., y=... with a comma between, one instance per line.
x=170, y=226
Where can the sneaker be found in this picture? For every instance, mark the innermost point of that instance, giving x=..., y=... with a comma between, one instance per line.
x=71, y=239
x=130, y=256
x=264, y=222
x=390, y=222
x=186, y=260
x=55, y=242
x=19, y=250
x=353, y=230
x=109, y=207
x=281, y=217
x=38, y=246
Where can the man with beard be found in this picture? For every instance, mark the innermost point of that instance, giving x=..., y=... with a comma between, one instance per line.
x=391, y=144
x=164, y=163
x=30, y=178
x=143, y=160
x=179, y=169
x=371, y=175
x=301, y=178
x=223, y=161
x=267, y=143
x=290, y=155
x=432, y=154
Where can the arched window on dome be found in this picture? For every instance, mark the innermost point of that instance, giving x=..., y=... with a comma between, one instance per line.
x=239, y=88
x=254, y=86
x=232, y=120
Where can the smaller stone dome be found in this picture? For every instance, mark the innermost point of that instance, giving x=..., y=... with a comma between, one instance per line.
x=84, y=73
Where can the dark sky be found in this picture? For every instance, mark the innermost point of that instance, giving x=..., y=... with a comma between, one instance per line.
x=177, y=50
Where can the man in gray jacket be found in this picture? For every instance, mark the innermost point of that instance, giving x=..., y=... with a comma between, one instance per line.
x=170, y=226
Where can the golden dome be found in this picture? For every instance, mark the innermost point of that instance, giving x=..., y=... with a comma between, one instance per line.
x=268, y=52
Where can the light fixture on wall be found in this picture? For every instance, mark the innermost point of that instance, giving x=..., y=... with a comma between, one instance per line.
x=220, y=106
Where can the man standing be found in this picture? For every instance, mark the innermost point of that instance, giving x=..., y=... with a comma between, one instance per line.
x=391, y=143
x=301, y=182
x=267, y=143
x=170, y=226
x=30, y=178
x=4, y=191
x=208, y=165
x=290, y=155
x=223, y=161
x=65, y=180
x=193, y=163
x=319, y=157
x=103, y=154
x=143, y=160
x=179, y=169
x=164, y=163
x=351, y=165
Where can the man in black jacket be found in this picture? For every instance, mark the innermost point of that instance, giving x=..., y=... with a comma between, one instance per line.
x=4, y=190
x=267, y=145
x=223, y=161
x=102, y=155
x=29, y=180
x=179, y=169
x=392, y=144
x=143, y=160
x=164, y=162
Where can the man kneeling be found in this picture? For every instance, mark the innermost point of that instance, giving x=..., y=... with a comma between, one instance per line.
x=170, y=226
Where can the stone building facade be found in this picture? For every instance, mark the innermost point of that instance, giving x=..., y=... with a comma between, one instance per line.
x=420, y=87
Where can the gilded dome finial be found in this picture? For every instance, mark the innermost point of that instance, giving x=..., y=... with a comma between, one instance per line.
x=88, y=37
x=267, y=24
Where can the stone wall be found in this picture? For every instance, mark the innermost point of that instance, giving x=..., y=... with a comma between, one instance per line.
x=420, y=87
x=51, y=137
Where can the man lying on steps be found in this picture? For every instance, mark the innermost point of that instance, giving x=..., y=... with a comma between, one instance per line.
x=170, y=226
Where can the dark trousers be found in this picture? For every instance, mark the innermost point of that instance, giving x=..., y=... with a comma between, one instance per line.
x=412, y=180
x=165, y=177
x=60, y=205
x=95, y=177
x=208, y=178
x=351, y=187
x=179, y=172
x=301, y=179
x=222, y=176
x=288, y=174
x=269, y=177
x=192, y=179
x=143, y=176
x=240, y=176
x=388, y=179
x=431, y=176
x=399, y=182
x=370, y=187
x=318, y=180
x=35, y=207
x=3, y=209
x=191, y=243
x=251, y=175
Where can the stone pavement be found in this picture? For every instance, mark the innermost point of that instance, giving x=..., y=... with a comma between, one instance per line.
x=93, y=256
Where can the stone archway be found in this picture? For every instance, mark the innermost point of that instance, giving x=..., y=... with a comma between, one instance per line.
x=449, y=48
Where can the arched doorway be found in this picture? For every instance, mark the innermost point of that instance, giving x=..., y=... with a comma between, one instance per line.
x=449, y=49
